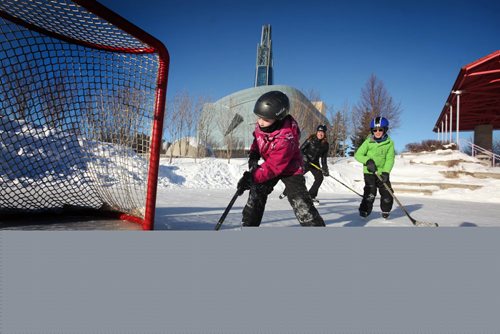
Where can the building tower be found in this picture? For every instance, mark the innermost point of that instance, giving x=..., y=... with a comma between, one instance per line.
x=264, y=63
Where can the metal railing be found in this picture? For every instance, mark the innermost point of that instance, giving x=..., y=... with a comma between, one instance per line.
x=478, y=150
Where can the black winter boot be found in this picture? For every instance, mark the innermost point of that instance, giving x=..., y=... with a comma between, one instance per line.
x=363, y=214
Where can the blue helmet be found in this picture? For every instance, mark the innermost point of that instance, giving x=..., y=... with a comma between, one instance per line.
x=379, y=122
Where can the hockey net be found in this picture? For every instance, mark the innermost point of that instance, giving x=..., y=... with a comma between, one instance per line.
x=82, y=99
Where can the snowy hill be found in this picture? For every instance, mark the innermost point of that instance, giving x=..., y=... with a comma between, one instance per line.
x=447, y=187
x=443, y=174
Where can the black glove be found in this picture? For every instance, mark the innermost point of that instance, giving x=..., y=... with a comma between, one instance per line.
x=253, y=160
x=253, y=164
x=325, y=172
x=244, y=183
x=385, y=177
x=370, y=165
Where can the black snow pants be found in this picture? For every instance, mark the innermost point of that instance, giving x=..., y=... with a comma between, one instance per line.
x=298, y=197
x=370, y=192
x=318, y=179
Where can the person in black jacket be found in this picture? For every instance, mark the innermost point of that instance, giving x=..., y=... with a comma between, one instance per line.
x=313, y=149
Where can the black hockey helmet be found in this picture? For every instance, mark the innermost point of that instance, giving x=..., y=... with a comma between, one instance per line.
x=321, y=127
x=272, y=105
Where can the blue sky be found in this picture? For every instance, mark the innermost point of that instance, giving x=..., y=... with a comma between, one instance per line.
x=331, y=47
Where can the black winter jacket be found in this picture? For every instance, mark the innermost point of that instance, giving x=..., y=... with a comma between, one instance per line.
x=313, y=149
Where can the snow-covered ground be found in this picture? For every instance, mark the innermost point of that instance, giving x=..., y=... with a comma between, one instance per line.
x=192, y=195
x=445, y=187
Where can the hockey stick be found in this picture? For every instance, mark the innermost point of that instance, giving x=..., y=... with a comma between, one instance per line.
x=414, y=221
x=230, y=205
x=354, y=191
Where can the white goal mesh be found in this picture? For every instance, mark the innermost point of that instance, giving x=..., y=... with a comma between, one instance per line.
x=82, y=97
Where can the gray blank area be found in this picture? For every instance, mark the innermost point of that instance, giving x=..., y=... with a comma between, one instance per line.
x=391, y=280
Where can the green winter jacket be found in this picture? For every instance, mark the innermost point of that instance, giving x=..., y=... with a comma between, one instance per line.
x=381, y=153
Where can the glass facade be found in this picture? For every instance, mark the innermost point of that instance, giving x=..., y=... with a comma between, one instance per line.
x=231, y=119
x=262, y=76
x=264, y=70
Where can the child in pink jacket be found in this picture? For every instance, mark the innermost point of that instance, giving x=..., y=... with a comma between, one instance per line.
x=276, y=141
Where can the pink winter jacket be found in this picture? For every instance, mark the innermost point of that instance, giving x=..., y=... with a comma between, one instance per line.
x=279, y=150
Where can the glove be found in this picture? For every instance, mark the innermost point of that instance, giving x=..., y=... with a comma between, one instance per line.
x=325, y=172
x=385, y=177
x=253, y=160
x=244, y=183
x=370, y=165
x=253, y=164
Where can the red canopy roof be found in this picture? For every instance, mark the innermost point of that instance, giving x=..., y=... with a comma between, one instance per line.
x=479, y=87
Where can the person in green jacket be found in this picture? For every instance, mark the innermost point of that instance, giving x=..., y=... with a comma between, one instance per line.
x=377, y=155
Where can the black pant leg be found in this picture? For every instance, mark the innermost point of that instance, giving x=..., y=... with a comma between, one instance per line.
x=301, y=202
x=386, y=200
x=369, y=193
x=256, y=203
x=318, y=180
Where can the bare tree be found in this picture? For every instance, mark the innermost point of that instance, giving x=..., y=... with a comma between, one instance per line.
x=116, y=117
x=375, y=101
x=313, y=95
x=17, y=89
x=204, y=124
x=56, y=99
x=178, y=115
x=227, y=119
x=182, y=112
x=360, y=122
x=301, y=114
x=191, y=115
x=337, y=136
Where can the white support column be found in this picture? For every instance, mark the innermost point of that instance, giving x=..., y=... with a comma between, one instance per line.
x=442, y=131
x=457, y=93
x=445, y=127
x=451, y=124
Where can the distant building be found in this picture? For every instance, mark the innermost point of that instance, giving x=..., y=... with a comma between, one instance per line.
x=231, y=119
x=187, y=147
x=321, y=106
x=227, y=124
x=473, y=104
x=264, y=62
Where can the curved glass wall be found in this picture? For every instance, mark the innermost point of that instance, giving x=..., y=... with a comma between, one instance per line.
x=227, y=124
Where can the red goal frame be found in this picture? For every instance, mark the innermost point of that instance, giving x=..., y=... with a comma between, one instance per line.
x=151, y=45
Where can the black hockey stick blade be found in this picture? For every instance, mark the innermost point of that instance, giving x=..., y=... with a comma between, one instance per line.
x=413, y=221
x=228, y=208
